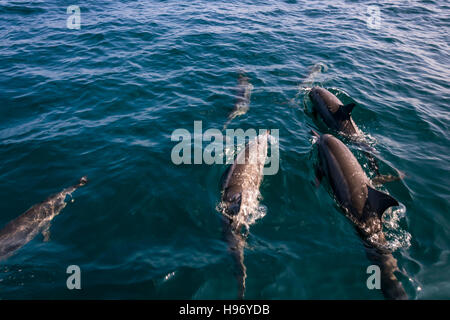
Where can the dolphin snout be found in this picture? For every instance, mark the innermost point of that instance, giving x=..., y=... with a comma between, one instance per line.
x=83, y=181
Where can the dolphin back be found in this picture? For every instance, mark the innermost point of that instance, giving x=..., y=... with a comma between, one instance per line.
x=333, y=112
x=240, y=189
x=24, y=228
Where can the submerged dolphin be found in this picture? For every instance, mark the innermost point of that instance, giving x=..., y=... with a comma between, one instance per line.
x=333, y=112
x=240, y=196
x=243, y=94
x=363, y=205
x=314, y=71
x=37, y=219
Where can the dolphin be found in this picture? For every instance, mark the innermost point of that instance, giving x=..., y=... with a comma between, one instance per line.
x=243, y=94
x=334, y=113
x=24, y=228
x=308, y=81
x=337, y=116
x=314, y=71
x=362, y=204
x=240, y=196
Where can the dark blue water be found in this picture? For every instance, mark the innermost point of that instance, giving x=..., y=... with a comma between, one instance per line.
x=103, y=101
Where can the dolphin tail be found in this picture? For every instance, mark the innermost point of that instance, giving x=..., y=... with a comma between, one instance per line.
x=314, y=133
x=242, y=269
x=384, y=178
x=236, y=244
x=379, y=178
x=369, y=152
x=391, y=287
x=230, y=118
x=373, y=163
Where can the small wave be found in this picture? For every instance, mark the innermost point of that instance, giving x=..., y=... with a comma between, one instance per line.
x=20, y=9
x=251, y=212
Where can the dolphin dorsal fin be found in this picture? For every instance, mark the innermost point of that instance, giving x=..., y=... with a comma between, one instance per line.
x=346, y=110
x=380, y=201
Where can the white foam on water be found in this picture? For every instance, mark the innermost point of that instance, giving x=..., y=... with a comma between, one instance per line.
x=251, y=211
x=229, y=151
x=395, y=235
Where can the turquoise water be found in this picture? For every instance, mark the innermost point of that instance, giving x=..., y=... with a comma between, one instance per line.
x=103, y=101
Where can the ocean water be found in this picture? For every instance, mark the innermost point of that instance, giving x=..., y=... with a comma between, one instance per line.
x=103, y=101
